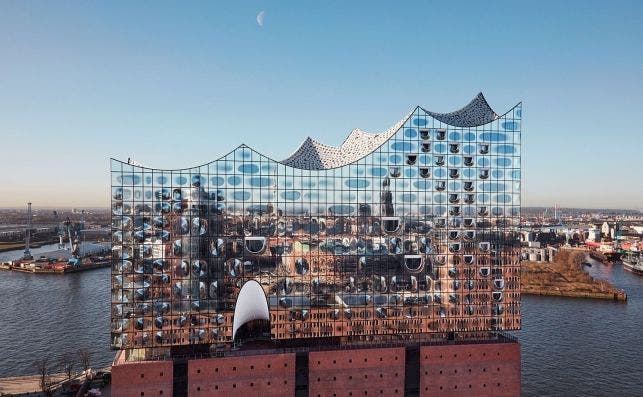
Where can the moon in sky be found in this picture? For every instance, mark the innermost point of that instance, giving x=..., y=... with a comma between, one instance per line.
x=260, y=18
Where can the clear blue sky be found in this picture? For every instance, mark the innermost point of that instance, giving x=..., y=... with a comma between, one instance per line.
x=175, y=85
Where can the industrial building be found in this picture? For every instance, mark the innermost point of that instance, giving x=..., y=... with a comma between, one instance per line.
x=388, y=265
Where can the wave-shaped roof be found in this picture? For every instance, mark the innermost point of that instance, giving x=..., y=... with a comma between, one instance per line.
x=477, y=112
x=314, y=155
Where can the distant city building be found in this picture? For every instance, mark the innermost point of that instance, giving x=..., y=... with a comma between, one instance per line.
x=594, y=234
x=536, y=253
x=637, y=229
x=381, y=259
x=607, y=230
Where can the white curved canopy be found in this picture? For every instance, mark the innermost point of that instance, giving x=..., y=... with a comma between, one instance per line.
x=251, y=305
x=317, y=156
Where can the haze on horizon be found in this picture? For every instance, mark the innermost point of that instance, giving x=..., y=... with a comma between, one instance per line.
x=174, y=85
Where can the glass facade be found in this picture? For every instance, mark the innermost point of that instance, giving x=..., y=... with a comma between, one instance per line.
x=416, y=237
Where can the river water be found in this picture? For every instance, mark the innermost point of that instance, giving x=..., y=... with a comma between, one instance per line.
x=584, y=347
x=570, y=347
x=48, y=315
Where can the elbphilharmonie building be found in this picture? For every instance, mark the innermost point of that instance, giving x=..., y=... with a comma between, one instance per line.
x=404, y=236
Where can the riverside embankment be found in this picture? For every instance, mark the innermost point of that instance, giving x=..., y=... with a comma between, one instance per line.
x=564, y=276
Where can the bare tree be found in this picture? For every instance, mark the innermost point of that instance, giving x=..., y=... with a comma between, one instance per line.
x=84, y=357
x=67, y=363
x=42, y=368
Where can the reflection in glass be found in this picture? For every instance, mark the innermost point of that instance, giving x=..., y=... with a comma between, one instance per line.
x=375, y=240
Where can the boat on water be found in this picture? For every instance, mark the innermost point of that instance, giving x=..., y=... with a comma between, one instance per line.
x=632, y=262
x=46, y=265
x=82, y=256
x=79, y=257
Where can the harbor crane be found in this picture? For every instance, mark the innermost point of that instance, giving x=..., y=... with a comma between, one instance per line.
x=74, y=244
x=27, y=253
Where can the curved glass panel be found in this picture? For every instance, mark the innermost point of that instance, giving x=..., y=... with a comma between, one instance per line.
x=416, y=237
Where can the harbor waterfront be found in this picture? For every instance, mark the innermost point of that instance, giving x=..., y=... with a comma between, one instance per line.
x=272, y=199
x=49, y=315
x=53, y=315
x=388, y=251
x=584, y=347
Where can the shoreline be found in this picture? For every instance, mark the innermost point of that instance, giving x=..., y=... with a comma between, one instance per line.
x=26, y=384
x=565, y=277
x=620, y=297
x=6, y=247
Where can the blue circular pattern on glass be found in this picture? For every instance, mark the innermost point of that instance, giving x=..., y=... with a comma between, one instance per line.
x=241, y=195
x=493, y=136
x=290, y=195
x=420, y=122
x=402, y=146
x=355, y=183
x=249, y=168
x=410, y=133
x=440, y=148
x=234, y=180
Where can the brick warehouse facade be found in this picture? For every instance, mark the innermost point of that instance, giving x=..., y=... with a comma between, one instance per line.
x=379, y=252
x=489, y=368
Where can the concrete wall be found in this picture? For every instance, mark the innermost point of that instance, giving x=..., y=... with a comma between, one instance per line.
x=142, y=379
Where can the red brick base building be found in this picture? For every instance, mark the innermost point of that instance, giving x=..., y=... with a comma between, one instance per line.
x=474, y=368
